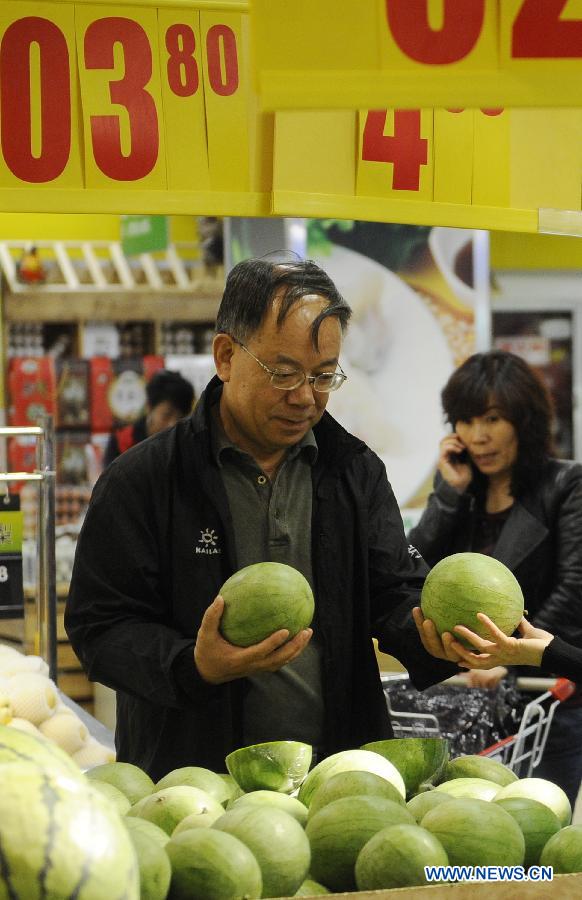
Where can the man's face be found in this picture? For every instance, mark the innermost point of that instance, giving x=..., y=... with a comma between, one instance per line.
x=258, y=417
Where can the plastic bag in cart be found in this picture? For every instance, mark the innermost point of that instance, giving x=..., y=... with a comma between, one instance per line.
x=470, y=718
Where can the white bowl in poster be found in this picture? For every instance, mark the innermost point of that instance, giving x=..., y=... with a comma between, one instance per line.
x=397, y=360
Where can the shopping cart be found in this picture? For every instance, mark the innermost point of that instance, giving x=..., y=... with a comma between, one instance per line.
x=521, y=750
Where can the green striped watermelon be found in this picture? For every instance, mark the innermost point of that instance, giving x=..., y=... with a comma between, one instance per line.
x=476, y=833
x=61, y=838
x=263, y=598
x=463, y=584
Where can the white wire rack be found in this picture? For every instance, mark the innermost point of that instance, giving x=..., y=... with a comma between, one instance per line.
x=102, y=266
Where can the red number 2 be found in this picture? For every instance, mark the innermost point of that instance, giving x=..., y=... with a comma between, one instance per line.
x=539, y=33
x=129, y=92
x=406, y=149
x=408, y=21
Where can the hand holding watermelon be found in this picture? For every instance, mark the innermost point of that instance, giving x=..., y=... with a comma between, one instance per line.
x=501, y=650
x=439, y=646
x=218, y=661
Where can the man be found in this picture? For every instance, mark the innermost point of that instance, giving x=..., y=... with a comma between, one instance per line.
x=260, y=471
x=169, y=397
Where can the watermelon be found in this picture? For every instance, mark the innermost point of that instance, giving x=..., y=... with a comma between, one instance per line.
x=476, y=833
x=154, y=831
x=61, y=838
x=420, y=805
x=212, y=865
x=278, y=843
x=114, y=795
x=537, y=822
x=198, y=777
x=563, y=851
x=155, y=871
x=417, y=759
x=232, y=787
x=350, y=784
x=166, y=808
x=288, y=804
x=349, y=761
x=396, y=856
x=461, y=585
x=542, y=790
x=263, y=598
x=272, y=766
x=474, y=766
x=311, y=888
x=19, y=746
x=129, y=779
x=477, y=788
x=338, y=832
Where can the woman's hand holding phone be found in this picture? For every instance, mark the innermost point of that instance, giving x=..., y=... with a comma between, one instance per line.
x=453, y=463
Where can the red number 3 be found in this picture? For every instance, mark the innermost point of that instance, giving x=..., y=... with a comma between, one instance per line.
x=129, y=92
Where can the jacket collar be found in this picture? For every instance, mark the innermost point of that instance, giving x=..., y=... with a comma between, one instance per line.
x=335, y=445
x=520, y=537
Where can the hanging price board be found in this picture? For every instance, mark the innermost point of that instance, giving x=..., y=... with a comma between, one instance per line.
x=144, y=107
x=418, y=53
x=474, y=168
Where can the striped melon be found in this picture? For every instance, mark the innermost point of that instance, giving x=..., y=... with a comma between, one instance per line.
x=19, y=746
x=263, y=598
x=60, y=838
x=463, y=584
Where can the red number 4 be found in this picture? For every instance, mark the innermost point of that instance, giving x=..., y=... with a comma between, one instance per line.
x=405, y=149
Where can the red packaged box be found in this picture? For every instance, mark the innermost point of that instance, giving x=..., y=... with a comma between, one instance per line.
x=32, y=386
x=118, y=389
x=100, y=377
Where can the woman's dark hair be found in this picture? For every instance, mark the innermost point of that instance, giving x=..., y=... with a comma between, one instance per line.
x=505, y=380
x=171, y=386
x=252, y=285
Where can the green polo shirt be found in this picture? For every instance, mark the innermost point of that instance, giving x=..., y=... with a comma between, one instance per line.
x=272, y=521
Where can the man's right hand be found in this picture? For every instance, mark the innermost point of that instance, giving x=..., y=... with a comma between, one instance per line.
x=219, y=661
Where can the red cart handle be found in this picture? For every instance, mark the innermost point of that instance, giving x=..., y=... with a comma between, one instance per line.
x=563, y=689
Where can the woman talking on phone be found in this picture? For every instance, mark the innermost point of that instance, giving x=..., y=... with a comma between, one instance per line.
x=499, y=490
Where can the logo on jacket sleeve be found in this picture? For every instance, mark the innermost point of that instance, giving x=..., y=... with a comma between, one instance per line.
x=413, y=552
x=207, y=542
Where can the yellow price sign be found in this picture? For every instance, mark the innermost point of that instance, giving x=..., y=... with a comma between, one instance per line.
x=39, y=105
x=418, y=53
x=121, y=97
x=141, y=108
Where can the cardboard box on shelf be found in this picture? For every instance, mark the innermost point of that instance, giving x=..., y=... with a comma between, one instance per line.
x=563, y=887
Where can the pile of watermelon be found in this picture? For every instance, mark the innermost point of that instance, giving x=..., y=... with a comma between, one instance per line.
x=269, y=826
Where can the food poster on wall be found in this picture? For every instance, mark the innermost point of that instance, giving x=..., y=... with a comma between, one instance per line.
x=412, y=295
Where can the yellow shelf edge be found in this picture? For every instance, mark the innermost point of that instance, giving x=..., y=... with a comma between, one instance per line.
x=338, y=89
x=378, y=209
x=116, y=202
x=219, y=5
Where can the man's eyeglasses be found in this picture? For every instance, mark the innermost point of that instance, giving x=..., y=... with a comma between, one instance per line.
x=293, y=379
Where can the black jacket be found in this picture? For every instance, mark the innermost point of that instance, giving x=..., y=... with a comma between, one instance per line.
x=155, y=548
x=541, y=542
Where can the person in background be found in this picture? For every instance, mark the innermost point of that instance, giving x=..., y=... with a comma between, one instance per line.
x=499, y=490
x=169, y=397
x=533, y=647
x=259, y=472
